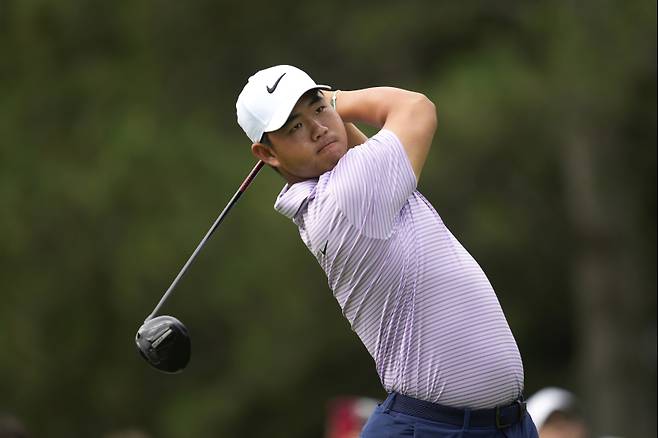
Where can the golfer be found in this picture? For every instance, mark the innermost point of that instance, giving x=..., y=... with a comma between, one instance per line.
x=416, y=298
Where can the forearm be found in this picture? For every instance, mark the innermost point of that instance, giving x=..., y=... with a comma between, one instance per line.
x=354, y=135
x=375, y=106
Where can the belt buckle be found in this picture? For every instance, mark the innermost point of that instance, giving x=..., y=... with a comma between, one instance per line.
x=522, y=410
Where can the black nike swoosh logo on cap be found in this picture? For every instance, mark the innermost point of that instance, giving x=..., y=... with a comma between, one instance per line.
x=324, y=250
x=276, y=84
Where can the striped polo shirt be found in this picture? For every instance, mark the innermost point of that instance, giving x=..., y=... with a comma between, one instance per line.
x=416, y=298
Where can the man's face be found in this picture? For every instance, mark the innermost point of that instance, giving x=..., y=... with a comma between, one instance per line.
x=311, y=141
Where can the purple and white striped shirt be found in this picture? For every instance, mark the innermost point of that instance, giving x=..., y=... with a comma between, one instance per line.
x=420, y=303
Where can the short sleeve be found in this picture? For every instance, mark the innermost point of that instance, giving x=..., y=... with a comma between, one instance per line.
x=372, y=183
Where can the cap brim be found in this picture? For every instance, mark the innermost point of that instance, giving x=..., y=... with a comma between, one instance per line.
x=284, y=111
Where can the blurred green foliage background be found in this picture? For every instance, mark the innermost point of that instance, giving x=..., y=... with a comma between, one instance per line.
x=119, y=146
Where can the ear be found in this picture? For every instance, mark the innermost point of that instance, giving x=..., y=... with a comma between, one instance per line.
x=265, y=153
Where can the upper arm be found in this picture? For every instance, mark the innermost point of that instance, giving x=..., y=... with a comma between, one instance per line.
x=415, y=127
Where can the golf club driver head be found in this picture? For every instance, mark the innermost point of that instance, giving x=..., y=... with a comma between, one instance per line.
x=164, y=343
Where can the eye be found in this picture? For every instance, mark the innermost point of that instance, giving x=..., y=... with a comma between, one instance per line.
x=321, y=108
x=296, y=127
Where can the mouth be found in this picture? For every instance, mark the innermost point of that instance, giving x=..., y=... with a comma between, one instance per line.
x=328, y=144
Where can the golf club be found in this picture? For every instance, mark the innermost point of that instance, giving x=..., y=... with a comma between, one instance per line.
x=164, y=341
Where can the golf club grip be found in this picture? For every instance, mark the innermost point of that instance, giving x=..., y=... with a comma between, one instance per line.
x=212, y=229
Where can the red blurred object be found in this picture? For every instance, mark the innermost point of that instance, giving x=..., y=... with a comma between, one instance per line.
x=348, y=415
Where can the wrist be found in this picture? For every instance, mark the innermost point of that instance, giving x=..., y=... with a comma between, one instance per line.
x=334, y=96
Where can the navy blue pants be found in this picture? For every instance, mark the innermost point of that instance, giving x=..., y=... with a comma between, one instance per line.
x=385, y=423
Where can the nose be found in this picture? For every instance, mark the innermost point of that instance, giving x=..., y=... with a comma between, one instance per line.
x=318, y=130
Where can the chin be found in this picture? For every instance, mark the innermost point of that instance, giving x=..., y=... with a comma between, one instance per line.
x=335, y=158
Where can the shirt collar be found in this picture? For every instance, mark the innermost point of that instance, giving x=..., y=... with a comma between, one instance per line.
x=292, y=197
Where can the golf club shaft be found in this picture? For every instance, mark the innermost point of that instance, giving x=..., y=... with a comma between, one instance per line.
x=212, y=229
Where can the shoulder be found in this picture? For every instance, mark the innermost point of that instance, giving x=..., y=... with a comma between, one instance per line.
x=374, y=165
x=370, y=184
x=385, y=141
x=380, y=154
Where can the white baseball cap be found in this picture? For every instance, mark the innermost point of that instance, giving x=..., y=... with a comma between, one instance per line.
x=268, y=98
x=547, y=401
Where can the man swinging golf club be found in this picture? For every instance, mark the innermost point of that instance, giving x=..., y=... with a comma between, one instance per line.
x=416, y=298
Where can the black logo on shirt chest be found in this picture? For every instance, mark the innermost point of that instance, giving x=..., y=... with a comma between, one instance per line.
x=323, y=251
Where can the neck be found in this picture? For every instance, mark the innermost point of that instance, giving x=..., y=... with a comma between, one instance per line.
x=290, y=178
